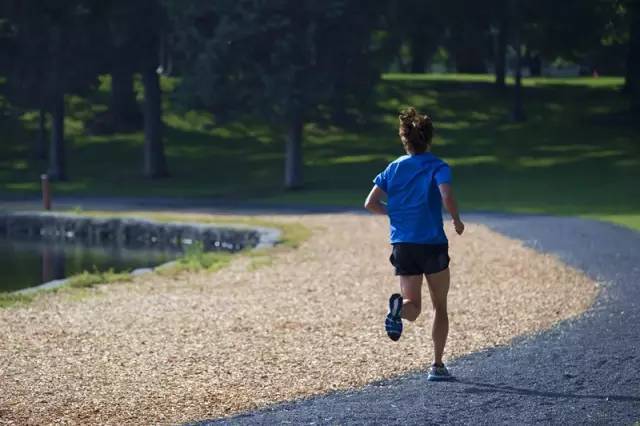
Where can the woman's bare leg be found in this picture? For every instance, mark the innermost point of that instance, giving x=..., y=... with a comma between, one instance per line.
x=411, y=287
x=438, y=289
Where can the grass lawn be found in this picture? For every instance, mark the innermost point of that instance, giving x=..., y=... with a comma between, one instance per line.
x=574, y=155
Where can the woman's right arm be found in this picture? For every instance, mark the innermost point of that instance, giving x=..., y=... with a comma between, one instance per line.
x=451, y=205
x=374, y=203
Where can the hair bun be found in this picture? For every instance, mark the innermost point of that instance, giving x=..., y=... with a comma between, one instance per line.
x=407, y=117
x=416, y=131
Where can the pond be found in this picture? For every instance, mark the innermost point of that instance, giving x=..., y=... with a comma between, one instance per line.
x=28, y=263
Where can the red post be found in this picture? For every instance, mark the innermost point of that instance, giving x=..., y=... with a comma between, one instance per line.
x=46, y=192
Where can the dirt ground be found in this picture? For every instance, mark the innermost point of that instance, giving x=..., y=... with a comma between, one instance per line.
x=166, y=350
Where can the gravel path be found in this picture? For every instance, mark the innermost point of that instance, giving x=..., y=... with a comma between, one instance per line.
x=297, y=323
x=584, y=371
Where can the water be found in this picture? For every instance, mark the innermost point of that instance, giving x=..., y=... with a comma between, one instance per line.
x=26, y=264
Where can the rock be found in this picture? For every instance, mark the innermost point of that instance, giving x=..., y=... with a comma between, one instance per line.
x=133, y=233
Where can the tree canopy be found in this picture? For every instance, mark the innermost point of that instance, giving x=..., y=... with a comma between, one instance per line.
x=279, y=59
x=282, y=61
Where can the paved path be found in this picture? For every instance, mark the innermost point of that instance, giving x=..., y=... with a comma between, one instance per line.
x=585, y=371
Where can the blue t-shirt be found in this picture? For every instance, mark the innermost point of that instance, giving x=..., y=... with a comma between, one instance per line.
x=414, y=203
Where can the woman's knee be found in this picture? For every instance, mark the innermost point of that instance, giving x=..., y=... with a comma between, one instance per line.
x=411, y=310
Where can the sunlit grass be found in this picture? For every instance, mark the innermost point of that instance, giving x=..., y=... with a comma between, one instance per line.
x=572, y=155
x=629, y=220
x=88, y=279
x=14, y=299
x=589, y=81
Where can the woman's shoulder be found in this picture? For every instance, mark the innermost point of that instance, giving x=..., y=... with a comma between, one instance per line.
x=401, y=159
x=397, y=162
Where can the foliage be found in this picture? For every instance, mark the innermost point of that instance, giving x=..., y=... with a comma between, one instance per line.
x=196, y=258
x=274, y=57
x=91, y=279
x=14, y=299
x=282, y=60
x=40, y=33
x=573, y=29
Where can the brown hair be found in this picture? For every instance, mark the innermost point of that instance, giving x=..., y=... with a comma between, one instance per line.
x=416, y=131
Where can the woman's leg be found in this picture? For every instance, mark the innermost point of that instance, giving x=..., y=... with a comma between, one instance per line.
x=438, y=289
x=411, y=287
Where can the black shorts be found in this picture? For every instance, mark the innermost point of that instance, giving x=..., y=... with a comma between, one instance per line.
x=418, y=259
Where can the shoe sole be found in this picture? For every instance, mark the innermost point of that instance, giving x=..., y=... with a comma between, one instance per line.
x=395, y=305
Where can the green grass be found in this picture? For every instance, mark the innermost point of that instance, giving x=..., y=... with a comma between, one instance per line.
x=629, y=220
x=577, y=153
x=196, y=259
x=74, y=287
x=14, y=299
x=88, y=279
x=606, y=81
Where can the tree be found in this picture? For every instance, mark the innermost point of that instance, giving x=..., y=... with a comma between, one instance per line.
x=468, y=32
x=632, y=76
x=281, y=58
x=422, y=25
x=123, y=19
x=152, y=20
x=570, y=29
x=48, y=39
x=21, y=56
x=517, y=113
x=155, y=163
x=135, y=30
x=502, y=39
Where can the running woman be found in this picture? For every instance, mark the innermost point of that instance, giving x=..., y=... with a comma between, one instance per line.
x=416, y=186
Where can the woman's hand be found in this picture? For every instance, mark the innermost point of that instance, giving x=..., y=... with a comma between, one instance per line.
x=457, y=223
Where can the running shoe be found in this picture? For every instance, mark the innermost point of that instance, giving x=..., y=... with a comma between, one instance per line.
x=393, y=322
x=438, y=373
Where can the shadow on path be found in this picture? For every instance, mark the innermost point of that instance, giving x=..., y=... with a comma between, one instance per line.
x=488, y=388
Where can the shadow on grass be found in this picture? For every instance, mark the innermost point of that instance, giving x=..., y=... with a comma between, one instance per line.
x=565, y=159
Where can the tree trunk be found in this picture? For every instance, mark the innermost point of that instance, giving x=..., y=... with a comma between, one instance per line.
x=518, y=109
x=418, y=54
x=155, y=165
x=123, y=106
x=40, y=150
x=632, y=82
x=293, y=160
x=57, y=160
x=501, y=54
x=626, y=87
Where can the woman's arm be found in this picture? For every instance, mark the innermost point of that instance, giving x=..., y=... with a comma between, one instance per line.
x=374, y=203
x=450, y=203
